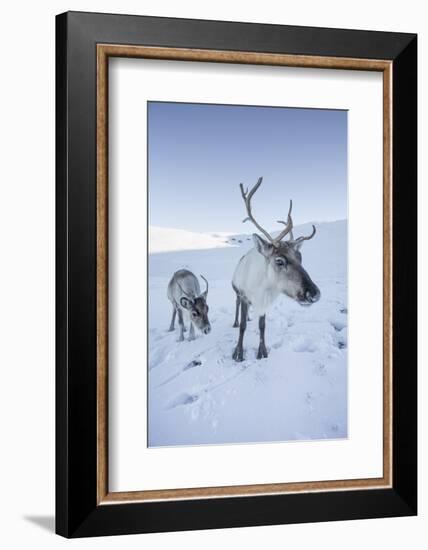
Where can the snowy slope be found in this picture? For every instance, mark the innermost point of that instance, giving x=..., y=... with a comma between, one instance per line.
x=199, y=395
x=163, y=239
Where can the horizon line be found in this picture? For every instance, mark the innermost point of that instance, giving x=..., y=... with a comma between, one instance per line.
x=227, y=232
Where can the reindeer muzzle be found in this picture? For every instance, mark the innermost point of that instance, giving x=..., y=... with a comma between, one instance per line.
x=311, y=296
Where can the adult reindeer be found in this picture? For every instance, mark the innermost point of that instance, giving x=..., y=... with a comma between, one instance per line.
x=271, y=268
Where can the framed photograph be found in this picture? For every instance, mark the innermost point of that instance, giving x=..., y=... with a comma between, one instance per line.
x=236, y=274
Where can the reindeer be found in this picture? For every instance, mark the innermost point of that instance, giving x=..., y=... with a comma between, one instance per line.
x=185, y=295
x=271, y=268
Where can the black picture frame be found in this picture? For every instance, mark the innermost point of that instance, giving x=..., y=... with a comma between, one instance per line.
x=77, y=511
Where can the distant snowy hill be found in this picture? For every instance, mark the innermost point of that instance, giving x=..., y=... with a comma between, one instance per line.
x=199, y=395
x=164, y=239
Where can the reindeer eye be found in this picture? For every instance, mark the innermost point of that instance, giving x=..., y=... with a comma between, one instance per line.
x=280, y=262
x=195, y=314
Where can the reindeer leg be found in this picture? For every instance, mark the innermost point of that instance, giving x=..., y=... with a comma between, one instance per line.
x=174, y=313
x=191, y=332
x=238, y=354
x=262, y=347
x=180, y=322
x=238, y=303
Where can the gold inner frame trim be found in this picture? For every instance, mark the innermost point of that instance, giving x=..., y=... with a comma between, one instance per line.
x=104, y=51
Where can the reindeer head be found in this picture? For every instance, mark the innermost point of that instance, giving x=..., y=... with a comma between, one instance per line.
x=197, y=308
x=284, y=259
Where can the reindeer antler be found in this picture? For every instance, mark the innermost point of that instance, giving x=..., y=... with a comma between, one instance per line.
x=247, y=200
x=301, y=239
x=205, y=293
x=288, y=225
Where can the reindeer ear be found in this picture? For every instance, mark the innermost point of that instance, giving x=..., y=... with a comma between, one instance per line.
x=297, y=245
x=262, y=246
x=184, y=302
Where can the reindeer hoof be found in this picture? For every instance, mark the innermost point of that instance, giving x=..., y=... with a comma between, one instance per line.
x=238, y=354
x=171, y=329
x=262, y=353
x=235, y=324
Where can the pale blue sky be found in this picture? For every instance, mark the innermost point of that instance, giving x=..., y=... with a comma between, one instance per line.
x=198, y=155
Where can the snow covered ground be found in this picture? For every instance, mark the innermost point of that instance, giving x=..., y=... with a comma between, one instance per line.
x=199, y=395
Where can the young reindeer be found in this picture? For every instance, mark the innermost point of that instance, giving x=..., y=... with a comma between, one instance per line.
x=271, y=268
x=185, y=295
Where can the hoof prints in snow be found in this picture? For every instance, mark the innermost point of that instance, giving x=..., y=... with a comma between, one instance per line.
x=320, y=370
x=338, y=326
x=183, y=399
x=305, y=345
x=193, y=364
